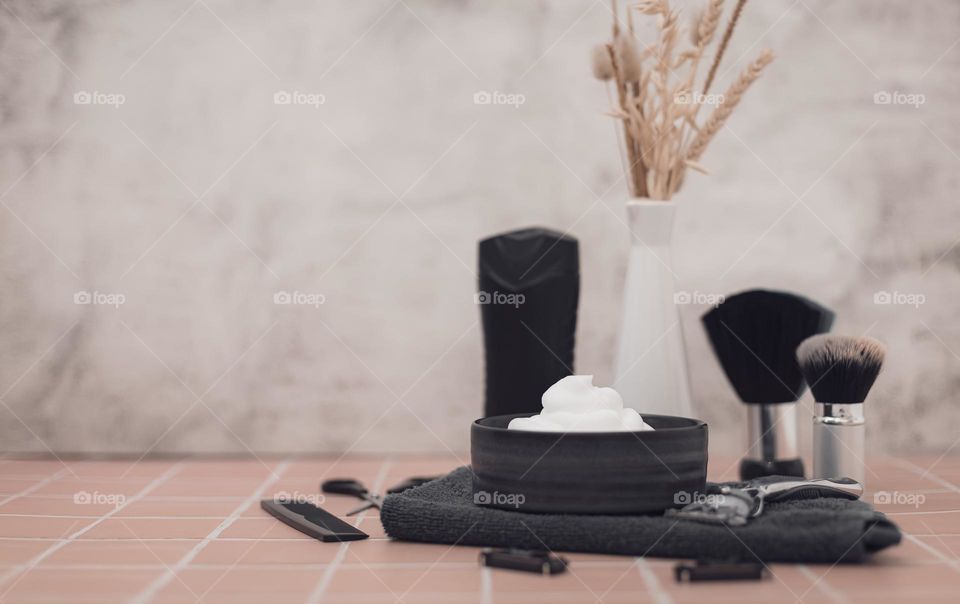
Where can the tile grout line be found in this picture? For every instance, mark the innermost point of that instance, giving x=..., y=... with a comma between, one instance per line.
x=261, y=566
x=166, y=539
x=158, y=499
x=820, y=584
x=486, y=585
x=921, y=513
x=526, y=597
x=595, y=564
x=652, y=583
x=25, y=492
x=954, y=564
x=321, y=587
x=78, y=517
x=945, y=483
x=89, y=517
x=61, y=543
x=151, y=590
x=926, y=474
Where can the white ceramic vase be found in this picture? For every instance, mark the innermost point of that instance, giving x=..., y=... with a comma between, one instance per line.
x=651, y=364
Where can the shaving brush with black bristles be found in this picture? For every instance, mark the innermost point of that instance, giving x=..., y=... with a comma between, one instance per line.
x=840, y=370
x=755, y=335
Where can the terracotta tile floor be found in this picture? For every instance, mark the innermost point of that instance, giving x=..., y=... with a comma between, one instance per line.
x=192, y=530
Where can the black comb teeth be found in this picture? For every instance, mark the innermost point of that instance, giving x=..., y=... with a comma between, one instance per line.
x=755, y=335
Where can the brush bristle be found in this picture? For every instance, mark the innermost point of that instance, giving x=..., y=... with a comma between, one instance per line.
x=840, y=369
x=755, y=335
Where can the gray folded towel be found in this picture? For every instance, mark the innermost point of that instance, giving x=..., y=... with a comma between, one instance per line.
x=812, y=530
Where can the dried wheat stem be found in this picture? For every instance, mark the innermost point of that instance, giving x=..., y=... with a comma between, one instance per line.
x=730, y=100
x=734, y=18
x=661, y=135
x=632, y=174
x=707, y=25
x=703, y=31
x=664, y=126
x=638, y=168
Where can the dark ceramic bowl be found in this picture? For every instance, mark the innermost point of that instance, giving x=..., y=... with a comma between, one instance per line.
x=588, y=472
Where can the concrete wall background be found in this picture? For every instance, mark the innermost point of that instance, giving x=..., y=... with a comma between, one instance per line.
x=199, y=198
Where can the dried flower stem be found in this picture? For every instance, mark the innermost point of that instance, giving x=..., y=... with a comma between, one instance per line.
x=657, y=106
x=722, y=48
x=730, y=100
x=635, y=182
x=617, y=49
x=705, y=30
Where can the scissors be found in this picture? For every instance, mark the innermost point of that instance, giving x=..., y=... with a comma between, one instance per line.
x=355, y=488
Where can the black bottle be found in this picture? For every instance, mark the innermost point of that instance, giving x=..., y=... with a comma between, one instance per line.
x=529, y=285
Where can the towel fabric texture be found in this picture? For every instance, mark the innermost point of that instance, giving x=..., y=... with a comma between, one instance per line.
x=824, y=530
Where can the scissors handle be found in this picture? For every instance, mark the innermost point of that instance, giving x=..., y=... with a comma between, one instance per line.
x=364, y=507
x=344, y=486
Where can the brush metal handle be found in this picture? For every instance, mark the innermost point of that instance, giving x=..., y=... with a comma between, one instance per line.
x=839, y=439
x=755, y=468
x=772, y=431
